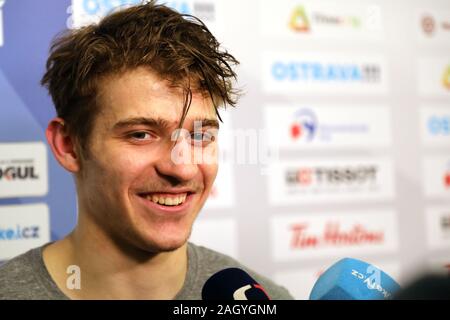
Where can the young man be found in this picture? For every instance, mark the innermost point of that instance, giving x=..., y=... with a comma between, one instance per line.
x=128, y=93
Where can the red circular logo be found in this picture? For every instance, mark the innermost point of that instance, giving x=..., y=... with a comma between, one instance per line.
x=428, y=24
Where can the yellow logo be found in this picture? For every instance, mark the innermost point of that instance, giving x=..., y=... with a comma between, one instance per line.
x=299, y=21
x=446, y=78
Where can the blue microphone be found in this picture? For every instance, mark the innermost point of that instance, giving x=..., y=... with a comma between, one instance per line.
x=351, y=279
x=233, y=284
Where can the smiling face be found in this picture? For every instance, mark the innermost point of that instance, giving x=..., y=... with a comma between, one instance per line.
x=130, y=185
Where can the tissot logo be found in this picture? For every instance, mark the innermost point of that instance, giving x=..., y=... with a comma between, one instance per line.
x=321, y=180
x=333, y=176
x=2, y=2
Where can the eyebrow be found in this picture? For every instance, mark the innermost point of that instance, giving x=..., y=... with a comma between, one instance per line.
x=158, y=122
x=150, y=122
x=208, y=122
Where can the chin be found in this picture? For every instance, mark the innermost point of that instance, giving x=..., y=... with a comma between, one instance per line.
x=165, y=246
x=165, y=243
x=160, y=236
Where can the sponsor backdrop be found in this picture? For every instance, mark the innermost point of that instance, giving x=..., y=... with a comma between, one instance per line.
x=340, y=146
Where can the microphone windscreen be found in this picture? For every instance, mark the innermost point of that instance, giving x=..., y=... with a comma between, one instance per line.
x=233, y=284
x=351, y=279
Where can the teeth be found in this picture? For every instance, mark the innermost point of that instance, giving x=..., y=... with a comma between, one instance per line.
x=168, y=201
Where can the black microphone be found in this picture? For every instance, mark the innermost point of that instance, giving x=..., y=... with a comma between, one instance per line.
x=233, y=284
x=428, y=287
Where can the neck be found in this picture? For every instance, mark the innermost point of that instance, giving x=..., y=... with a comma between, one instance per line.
x=110, y=270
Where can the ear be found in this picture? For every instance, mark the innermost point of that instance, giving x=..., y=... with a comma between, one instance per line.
x=62, y=145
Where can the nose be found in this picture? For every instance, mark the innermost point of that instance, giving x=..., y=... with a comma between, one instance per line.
x=177, y=165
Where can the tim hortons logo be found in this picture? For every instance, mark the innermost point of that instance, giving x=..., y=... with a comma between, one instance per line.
x=333, y=236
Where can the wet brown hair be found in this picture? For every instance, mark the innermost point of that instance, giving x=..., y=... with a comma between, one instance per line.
x=178, y=47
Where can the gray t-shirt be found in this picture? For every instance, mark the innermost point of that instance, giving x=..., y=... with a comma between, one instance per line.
x=26, y=277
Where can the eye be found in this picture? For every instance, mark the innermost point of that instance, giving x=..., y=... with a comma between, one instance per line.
x=140, y=135
x=197, y=136
x=205, y=137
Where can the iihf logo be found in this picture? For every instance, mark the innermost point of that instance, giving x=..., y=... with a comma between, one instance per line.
x=304, y=126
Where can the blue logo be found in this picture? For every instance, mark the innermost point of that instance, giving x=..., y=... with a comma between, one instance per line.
x=94, y=7
x=29, y=232
x=312, y=71
x=439, y=125
x=180, y=6
x=103, y=7
x=304, y=126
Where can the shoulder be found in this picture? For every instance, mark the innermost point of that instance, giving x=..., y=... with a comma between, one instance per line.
x=18, y=277
x=212, y=261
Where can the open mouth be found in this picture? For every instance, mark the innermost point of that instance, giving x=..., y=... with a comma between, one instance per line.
x=165, y=199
